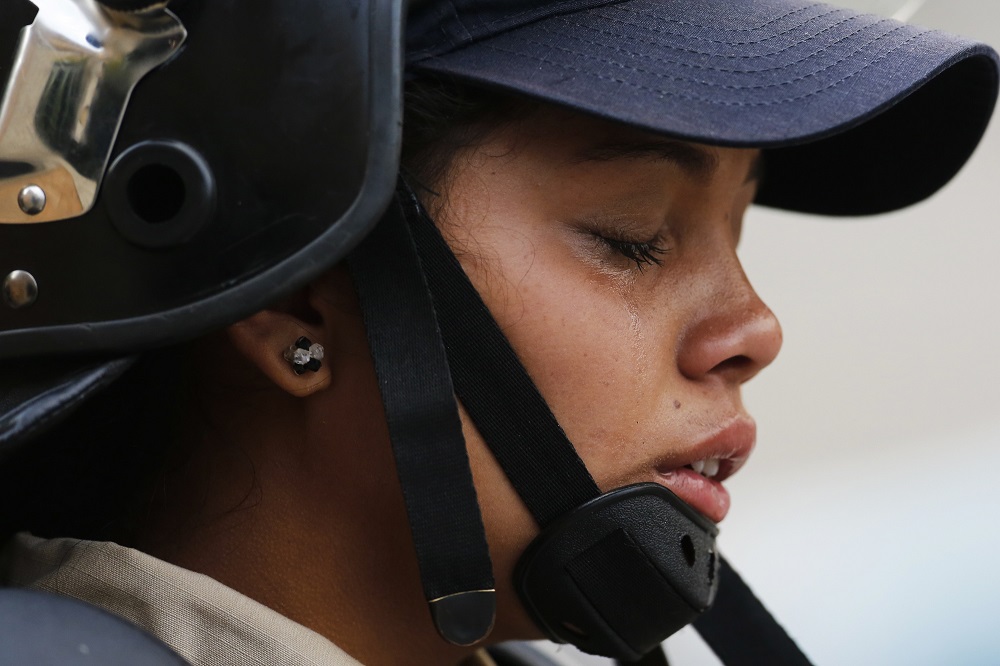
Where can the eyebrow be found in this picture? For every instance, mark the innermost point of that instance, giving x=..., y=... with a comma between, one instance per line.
x=697, y=162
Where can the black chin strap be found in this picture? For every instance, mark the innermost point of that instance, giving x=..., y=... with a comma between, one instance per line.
x=495, y=389
x=741, y=631
x=426, y=433
x=405, y=329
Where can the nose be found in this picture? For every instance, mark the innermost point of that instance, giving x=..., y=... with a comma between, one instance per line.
x=733, y=335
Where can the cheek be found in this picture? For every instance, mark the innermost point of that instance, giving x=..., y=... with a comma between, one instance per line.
x=599, y=352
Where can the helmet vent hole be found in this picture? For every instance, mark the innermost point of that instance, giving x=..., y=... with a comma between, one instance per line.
x=160, y=194
x=687, y=546
x=156, y=193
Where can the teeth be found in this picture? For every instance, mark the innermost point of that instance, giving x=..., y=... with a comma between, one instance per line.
x=711, y=467
x=707, y=468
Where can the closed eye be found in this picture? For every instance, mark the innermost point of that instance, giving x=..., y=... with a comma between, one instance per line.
x=644, y=254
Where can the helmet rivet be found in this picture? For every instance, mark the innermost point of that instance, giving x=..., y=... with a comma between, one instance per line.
x=32, y=200
x=20, y=289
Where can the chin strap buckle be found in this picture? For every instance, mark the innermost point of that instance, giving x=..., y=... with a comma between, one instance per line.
x=464, y=618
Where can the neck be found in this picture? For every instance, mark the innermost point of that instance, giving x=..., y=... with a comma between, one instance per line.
x=301, y=511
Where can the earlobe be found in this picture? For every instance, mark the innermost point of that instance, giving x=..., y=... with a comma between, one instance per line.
x=273, y=342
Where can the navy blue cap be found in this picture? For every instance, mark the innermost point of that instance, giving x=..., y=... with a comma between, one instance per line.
x=859, y=114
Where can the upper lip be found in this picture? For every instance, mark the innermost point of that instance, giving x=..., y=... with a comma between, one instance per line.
x=731, y=444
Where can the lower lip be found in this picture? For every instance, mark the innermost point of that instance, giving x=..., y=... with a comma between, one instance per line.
x=707, y=497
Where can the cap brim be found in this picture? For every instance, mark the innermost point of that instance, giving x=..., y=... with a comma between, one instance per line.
x=37, y=395
x=861, y=114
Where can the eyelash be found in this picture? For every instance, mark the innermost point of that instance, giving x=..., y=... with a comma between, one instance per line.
x=643, y=254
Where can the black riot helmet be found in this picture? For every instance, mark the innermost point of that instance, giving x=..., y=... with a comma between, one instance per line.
x=168, y=168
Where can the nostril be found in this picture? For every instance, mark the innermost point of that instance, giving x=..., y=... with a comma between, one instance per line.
x=739, y=365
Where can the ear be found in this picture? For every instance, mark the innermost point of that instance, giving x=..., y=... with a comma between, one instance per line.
x=264, y=337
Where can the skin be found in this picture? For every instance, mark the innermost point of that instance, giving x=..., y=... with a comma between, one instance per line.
x=638, y=361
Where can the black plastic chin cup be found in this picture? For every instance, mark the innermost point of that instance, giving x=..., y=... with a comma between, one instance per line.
x=621, y=573
x=159, y=193
x=465, y=618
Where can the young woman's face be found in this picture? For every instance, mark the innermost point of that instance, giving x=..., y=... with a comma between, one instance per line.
x=608, y=257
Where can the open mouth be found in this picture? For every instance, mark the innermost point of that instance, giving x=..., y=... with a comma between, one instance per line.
x=705, y=494
x=707, y=468
x=699, y=482
x=717, y=469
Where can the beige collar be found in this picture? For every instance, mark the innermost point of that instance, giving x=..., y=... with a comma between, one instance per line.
x=204, y=621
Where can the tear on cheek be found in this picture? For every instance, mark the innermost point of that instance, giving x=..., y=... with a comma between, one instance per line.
x=638, y=346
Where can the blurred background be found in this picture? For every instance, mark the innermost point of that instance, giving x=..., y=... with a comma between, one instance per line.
x=868, y=519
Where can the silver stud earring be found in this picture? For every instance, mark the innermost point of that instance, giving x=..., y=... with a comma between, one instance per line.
x=305, y=355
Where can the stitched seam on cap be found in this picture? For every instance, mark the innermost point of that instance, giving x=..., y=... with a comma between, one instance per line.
x=706, y=100
x=712, y=84
x=754, y=29
x=619, y=37
x=668, y=61
x=662, y=21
